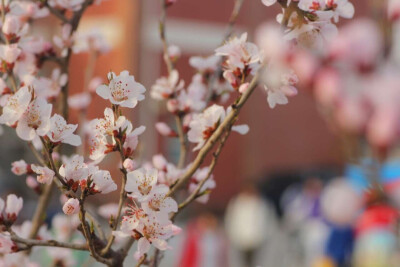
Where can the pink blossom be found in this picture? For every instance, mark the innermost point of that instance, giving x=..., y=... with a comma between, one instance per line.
x=79, y=101
x=158, y=202
x=141, y=182
x=13, y=207
x=16, y=106
x=165, y=130
x=166, y=87
x=122, y=90
x=71, y=206
x=35, y=120
x=6, y=244
x=45, y=175
x=19, y=167
x=129, y=165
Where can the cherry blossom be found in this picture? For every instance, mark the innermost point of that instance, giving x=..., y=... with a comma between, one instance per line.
x=205, y=65
x=155, y=231
x=74, y=170
x=168, y=173
x=99, y=146
x=79, y=101
x=158, y=202
x=204, y=124
x=190, y=100
x=12, y=208
x=6, y=244
x=9, y=54
x=92, y=40
x=16, y=106
x=106, y=125
x=199, y=176
x=62, y=132
x=166, y=87
x=67, y=39
x=20, y=167
x=108, y=210
x=13, y=28
x=35, y=120
x=122, y=90
x=102, y=182
x=242, y=58
x=129, y=165
x=268, y=2
x=174, y=52
x=45, y=175
x=64, y=226
x=279, y=83
x=50, y=87
x=141, y=182
x=132, y=140
x=71, y=206
x=73, y=5
x=32, y=10
x=165, y=130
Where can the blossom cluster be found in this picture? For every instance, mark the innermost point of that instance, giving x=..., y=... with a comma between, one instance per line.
x=147, y=218
x=311, y=23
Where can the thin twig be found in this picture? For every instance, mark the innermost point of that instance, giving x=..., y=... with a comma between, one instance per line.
x=122, y=199
x=45, y=243
x=38, y=217
x=195, y=194
x=228, y=121
x=37, y=155
x=182, y=141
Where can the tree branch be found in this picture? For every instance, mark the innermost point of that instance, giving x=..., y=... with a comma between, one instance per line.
x=45, y=243
x=226, y=124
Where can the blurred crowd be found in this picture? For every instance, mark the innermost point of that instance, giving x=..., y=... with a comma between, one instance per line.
x=312, y=221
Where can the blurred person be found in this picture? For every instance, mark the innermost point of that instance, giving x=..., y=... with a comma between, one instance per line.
x=205, y=244
x=250, y=221
x=303, y=221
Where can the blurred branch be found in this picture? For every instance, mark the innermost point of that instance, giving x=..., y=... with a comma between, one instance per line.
x=182, y=141
x=233, y=18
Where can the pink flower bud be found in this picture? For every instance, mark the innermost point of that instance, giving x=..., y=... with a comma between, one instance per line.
x=164, y=129
x=129, y=165
x=94, y=83
x=243, y=88
x=13, y=207
x=11, y=25
x=174, y=52
x=31, y=182
x=19, y=167
x=71, y=206
x=159, y=162
x=173, y=105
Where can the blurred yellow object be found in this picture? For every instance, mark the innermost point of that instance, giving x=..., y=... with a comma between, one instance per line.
x=324, y=262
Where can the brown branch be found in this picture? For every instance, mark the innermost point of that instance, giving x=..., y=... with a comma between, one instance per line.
x=122, y=199
x=182, y=141
x=88, y=235
x=38, y=217
x=163, y=38
x=233, y=18
x=29, y=243
x=226, y=124
x=195, y=194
